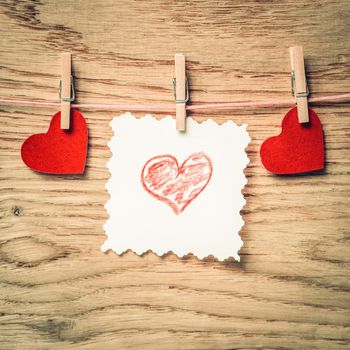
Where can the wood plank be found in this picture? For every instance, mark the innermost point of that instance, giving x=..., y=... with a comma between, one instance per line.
x=57, y=290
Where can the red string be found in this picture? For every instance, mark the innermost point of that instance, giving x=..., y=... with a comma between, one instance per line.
x=171, y=107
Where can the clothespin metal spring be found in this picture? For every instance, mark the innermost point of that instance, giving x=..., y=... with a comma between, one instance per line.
x=292, y=83
x=187, y=97
x=67, y=99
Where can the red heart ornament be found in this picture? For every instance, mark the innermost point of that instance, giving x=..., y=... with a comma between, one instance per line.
x=58, y=151
x=175, y=185
x=298, y=148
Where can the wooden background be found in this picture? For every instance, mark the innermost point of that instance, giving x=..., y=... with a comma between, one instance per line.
x=58, y=291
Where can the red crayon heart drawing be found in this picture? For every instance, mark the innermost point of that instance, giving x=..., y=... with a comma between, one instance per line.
x=298, y=148
x=175, y=185
x=58, y=151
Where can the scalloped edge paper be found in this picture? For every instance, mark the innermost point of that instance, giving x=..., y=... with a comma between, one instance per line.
x=210, y=224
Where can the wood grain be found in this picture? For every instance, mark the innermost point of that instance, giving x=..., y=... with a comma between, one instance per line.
x=58, y=291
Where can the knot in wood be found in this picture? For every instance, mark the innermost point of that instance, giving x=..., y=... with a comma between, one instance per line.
x=16, y=211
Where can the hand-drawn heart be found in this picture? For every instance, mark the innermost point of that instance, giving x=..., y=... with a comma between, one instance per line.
x=58, y=151
x=298, y=148
x=175, y=185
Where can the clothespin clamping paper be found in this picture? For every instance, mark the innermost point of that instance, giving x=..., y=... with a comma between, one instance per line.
x=298, y=83
x=181, y=91
x=66, y=90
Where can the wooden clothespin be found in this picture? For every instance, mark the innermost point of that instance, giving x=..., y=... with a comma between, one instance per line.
x=298, y=82
x=181, y=92
x=66, y=90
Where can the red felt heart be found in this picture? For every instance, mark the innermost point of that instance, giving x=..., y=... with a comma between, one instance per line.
x=298, y=148
x=58, y=151
x=176, y=185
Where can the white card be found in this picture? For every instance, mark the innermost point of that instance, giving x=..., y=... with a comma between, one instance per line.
x=174, y=191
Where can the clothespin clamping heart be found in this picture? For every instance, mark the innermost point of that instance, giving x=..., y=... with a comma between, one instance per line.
x=63, y=148
x=299, y=148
